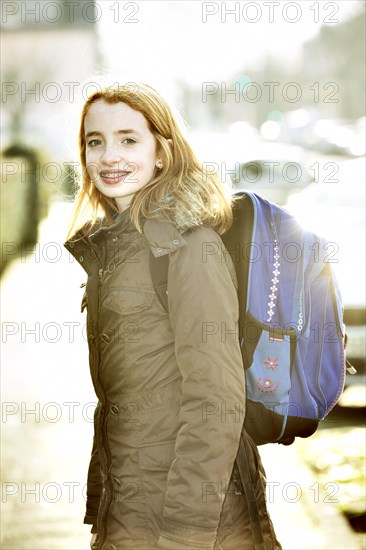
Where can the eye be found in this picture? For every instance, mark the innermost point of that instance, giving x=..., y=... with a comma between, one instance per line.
x=94, y=142
x=129, y=141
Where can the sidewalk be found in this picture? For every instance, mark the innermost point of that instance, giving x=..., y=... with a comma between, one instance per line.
x=304, y=512
x=47, y=397
x=48, y=406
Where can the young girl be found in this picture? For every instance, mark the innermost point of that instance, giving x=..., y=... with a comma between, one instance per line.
x=169, y=381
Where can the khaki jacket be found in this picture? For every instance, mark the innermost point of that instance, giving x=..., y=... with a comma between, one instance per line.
x=170, y=389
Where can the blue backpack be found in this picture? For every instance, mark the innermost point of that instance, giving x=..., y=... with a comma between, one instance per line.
x=291, y=320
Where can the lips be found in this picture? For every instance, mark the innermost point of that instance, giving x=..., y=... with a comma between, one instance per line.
x=113, y=177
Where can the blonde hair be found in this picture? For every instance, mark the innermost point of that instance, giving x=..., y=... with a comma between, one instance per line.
x=181, y=191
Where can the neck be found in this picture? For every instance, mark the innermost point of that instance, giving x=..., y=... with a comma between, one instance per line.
x=124, y=202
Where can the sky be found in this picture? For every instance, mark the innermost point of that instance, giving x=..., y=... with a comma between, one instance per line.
x=164, y=42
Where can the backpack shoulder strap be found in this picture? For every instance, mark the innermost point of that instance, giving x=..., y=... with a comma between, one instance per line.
x=238, y=242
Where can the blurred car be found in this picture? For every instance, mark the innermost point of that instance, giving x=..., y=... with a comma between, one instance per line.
x=337, y=211
x=331, y=136
x=274, y=171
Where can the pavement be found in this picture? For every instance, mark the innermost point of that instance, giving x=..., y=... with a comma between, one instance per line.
x=304, y=510
x=47, y=409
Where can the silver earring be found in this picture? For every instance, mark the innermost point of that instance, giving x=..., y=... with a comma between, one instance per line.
x=159, y=165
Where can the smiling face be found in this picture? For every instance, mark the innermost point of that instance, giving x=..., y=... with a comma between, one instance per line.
x=120, y=150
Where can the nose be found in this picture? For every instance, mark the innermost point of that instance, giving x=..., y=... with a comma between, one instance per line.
x=111, y=155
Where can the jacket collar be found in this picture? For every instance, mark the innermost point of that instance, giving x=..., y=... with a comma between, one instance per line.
x=163, y=237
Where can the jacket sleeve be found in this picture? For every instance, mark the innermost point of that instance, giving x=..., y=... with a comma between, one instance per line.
x=94, y=487
x=204, y=312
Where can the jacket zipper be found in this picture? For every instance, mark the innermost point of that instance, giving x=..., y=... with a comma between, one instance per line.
x=103, y=423
x=102, y=420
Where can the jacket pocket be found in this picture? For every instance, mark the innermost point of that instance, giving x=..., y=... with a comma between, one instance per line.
x=157, y=456
x=269, y=356
x=155, y=460
x=128, y=300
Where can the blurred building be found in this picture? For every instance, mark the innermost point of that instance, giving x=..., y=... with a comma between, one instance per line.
x=48, y=50
x=340, y=56
x=328, y=81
